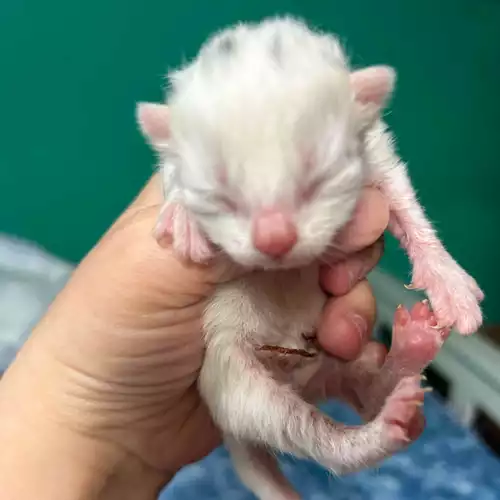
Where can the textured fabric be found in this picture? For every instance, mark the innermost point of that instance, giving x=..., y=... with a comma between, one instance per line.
x=446, y=463
x=29, y=280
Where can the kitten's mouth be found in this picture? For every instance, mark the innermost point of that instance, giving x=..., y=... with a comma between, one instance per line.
x=289, y=263
x=259, y=262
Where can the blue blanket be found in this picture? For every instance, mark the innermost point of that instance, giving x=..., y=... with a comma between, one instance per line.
x=447, y=462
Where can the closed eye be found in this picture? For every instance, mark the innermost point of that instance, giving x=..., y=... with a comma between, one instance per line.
x=228, y=203
x=310, y=190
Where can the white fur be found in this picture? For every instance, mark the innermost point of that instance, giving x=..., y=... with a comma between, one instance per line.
x=454, y=295
x=264, y=111
x=258, y=404
x=260, y=118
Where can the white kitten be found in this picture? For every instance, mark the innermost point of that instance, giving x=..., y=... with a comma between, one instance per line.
x=265, y=146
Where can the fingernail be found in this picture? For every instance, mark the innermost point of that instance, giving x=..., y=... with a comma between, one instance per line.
x=359, y=323
x=352, y=277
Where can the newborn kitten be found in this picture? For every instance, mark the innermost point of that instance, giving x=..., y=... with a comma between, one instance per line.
x=265, y=146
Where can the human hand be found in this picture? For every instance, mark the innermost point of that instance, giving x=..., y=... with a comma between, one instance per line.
x=115, y=360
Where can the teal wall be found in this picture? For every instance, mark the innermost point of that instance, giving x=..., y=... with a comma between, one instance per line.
x=71, y=72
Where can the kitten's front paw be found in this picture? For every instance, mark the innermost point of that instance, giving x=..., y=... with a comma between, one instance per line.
x=454, y=295
x=177, y=228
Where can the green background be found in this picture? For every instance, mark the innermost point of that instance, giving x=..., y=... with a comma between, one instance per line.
x=71, y=72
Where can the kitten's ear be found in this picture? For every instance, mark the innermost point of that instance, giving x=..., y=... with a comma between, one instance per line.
x=373, y=88
x=153, y=120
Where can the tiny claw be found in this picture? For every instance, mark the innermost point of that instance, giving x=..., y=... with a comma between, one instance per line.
x=400, y=306
x=423, y=377
x=437, y=327
x=410, y=287
x=427, y=389
x=418, y=403
x=425, y=301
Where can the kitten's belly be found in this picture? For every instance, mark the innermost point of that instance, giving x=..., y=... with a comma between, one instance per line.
x=291, y=368
x=269, y=306
x=273, y=312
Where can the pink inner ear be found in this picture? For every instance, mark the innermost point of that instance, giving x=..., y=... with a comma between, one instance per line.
x=373, y=85
x=153, y=121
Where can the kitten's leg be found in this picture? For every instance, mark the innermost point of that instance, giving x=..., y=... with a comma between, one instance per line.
x=455, y=296
x=359, y=384
x=175, y=225
x=346, y=380
x=259, y=471
x=366, y=382
x=416, y=340
x=177, y=228
x=249, y=404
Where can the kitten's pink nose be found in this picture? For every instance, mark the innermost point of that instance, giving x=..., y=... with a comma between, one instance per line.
x=273, y=233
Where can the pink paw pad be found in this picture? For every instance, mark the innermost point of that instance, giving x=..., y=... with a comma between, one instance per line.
x=176, y=227
x=401, y=412
x=417, y=337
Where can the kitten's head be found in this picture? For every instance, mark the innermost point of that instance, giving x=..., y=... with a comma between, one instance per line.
x=268, y=157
